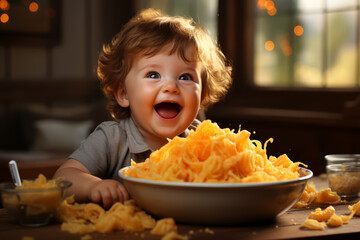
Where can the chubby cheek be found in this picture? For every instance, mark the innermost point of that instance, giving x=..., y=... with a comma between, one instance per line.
x=142, y=101
x=193, y=100
x=194, y=103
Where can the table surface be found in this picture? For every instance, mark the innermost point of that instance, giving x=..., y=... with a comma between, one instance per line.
x=286, y=226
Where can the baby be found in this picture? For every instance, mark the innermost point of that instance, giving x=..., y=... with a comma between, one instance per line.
x=157, y=73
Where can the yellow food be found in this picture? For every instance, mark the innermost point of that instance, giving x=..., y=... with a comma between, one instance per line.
x=313, y=224
x=93, y=212
x=345, y=183
x=164, y=226
x=355, y=209
x=91, y=217
x=307, y=197
x=214, y=155
x=335, y=221
x=34, y=203
x=39, y=183
x=322, y=216
x=86, y=237
x=174, y=236
x=127, y=217
x=208, y=230
x=72, y=212
x=316, y=219
x=311, y=196
x=328, y=196
x=75, y=227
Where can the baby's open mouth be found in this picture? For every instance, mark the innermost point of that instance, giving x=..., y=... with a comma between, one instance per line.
x=168, y=110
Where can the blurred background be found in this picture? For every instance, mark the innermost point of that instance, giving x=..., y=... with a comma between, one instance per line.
x=296, y=73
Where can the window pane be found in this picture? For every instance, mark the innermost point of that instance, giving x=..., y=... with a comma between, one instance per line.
x=310, y=5
x=308, y=48
x=341, y=49
x=272, y=51
x=340, y=4
x=204, y=12
x=314, y=43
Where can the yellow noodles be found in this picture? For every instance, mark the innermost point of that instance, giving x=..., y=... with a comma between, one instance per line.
x=164, y=226
x=355, y=209
x=335, y=221
x=311, y=196
x=316, y=220
x=313, y=224
x=214, y=155
x=307, y=197
x=39, y=183
x=91, y=217
x=93, y=212
x=322, y=216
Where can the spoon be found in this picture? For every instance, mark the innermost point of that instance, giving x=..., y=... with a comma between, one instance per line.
x=14, y=172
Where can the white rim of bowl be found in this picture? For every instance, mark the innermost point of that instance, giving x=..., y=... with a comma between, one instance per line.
x=306, y=175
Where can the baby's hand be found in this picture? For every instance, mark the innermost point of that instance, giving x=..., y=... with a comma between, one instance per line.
x=107, y=192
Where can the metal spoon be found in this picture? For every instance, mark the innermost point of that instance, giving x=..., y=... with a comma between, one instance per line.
x=14, y=172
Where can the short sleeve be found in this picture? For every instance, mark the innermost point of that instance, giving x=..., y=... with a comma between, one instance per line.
x=94, y=153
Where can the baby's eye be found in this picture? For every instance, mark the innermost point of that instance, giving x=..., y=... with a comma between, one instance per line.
x=186, y=77
x=153, y=75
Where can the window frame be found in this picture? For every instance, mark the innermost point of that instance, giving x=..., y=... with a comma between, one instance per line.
x=236, y=37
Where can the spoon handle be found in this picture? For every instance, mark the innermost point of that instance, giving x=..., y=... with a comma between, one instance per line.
x=14, y=172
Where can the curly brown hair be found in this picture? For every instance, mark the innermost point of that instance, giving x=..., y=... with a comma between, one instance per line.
x=147, y=33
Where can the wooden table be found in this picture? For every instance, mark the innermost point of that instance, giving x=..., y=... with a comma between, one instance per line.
x=286, y=226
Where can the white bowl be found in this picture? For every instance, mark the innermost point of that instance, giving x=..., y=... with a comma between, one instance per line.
x=216, y=203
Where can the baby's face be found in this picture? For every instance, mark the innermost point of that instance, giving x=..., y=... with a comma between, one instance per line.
x=164, y=94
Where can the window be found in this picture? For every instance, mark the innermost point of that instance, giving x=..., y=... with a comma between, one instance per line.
x=204, y=12
x=310, y=74
x=306, y=43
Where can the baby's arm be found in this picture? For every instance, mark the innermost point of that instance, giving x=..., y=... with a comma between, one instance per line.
x=87, y=187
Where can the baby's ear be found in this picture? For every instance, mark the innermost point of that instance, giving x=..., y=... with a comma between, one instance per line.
x=121, y=97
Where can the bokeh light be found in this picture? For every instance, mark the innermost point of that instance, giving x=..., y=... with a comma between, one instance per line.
x=4, y=18
x=269, y=45
x=261, y=4
x=267, y=5
x=33, y=7
x=4, y=5
x=298, y=30
x=272, y=11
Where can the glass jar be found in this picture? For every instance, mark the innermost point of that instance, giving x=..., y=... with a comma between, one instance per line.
x=343, y=172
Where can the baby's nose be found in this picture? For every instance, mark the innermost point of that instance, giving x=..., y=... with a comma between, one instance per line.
x=170, y=86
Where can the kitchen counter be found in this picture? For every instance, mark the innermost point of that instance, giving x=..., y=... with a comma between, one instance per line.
x=286, y=226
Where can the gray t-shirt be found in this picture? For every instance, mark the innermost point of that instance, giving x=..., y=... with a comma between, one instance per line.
x=112, y=145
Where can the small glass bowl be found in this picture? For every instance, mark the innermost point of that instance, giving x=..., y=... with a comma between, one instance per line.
x=33, y=207
x=343, y=171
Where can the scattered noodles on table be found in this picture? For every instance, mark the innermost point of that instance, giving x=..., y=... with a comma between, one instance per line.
x=311, y=196
x=90, y=217
x=319, y=219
